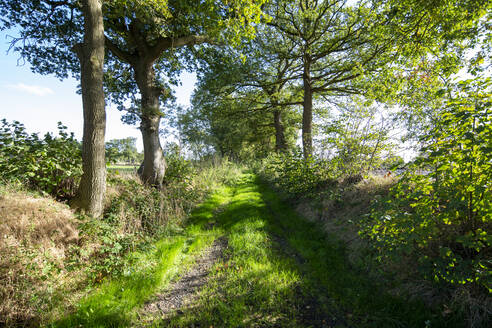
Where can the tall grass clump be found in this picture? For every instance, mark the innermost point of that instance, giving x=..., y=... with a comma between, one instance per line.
x=216, y=171
x=295, y=176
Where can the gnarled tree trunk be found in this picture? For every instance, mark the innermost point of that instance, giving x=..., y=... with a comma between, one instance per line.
x=92, y=188
x=154, y=165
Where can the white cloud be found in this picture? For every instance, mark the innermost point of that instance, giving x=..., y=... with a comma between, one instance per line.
x=32, y=89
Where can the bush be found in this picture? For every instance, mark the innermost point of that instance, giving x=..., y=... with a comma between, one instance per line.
x=52, y=164
x=297, y=176
x=178, y=168
x=440, y=213
x=139, y=208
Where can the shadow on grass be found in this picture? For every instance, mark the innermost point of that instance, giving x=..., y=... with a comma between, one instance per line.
x=278, y=271
x=284, y=271
x=365, y=302
x=257, y=286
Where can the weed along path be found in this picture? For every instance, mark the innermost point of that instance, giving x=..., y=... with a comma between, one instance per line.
x=245, y=259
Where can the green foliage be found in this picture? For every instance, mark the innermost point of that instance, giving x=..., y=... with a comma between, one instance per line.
x=356, y=138
x=296, y=176
x=51, y=164
x=178, y=168
x=114, y=243
x=149, y=210
x=216, y=171
x=440, y=213
x=227, y=125
x=122, y=150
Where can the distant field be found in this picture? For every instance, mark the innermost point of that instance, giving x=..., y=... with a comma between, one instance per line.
x=121, y=167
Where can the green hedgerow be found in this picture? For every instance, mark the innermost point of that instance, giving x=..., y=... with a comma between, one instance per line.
x=50, y=164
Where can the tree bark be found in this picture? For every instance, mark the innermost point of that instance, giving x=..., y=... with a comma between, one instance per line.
x=142, y=60
x=154, y=165
x=307, y=113
x=280, y=144
x=92, y=188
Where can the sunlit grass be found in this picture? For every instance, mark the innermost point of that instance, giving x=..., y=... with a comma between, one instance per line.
x=260, y=285
x=254, y=285
x=115, y=302
x=276, y=266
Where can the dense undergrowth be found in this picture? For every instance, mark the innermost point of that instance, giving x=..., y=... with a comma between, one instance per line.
x=51, y=165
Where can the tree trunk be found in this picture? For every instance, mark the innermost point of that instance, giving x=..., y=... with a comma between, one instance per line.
x=307, y=113
x=154, y=165
x=92, y=188
x=280, y=144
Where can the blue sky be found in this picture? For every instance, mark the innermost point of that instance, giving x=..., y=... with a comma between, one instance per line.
x=40, y=101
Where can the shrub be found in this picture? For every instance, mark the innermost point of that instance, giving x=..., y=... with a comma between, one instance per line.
x=138, y=208
x=51, y=164
x=442, y=218
x=178, y=168
x=297, y=176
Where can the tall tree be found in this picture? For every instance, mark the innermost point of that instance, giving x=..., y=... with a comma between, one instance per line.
x=260, y=82
x=228, y=124
x=92, y=186
x=335, y=44
x=122, y=150
x=52, y=39
x=146, y=37
x=441, y=38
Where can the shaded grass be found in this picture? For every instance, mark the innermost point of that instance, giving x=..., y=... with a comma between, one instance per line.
x=364, y=302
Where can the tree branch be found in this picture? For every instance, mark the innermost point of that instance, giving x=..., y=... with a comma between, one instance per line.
x=121, y=54
x=163, y=44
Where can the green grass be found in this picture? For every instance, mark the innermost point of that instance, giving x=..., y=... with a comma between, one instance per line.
x=115, y=302
x=279, y=264
x=279, y=270
x=123, y=168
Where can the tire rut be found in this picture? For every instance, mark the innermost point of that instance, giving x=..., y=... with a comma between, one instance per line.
x=185, y=290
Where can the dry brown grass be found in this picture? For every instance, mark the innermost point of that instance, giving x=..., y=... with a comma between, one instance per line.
x=36, y=233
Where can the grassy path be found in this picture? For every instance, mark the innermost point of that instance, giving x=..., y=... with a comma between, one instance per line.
x=278, y=270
